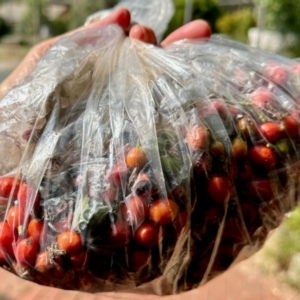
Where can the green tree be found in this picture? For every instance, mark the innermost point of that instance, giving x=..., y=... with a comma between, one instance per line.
x=81, y=9
x=236, y=24
x=208, y=10
x=283, y=16
x=34, y=18
x=4, y=27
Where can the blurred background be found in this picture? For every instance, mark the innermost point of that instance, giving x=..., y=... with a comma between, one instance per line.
x=268, y=24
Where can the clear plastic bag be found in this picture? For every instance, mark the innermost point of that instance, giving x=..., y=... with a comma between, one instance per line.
x=155, y=14
x=131, y=167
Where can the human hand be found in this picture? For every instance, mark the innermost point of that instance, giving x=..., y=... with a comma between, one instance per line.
x=192, y=30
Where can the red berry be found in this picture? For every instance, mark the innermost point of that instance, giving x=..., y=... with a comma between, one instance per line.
x=6, y=236
x=239, y=148
x=197, y=137
x=15, y=217
x=138, y=259
x=219, y=188
x=213, y=107
x=147, y=234
x=275, y=73
x=262, y=189
x=69, y=241
x=247, y=127
x=220, y=107
x=262, y=157
x=35, y=229
x=137, y=210
x=8, y=185
x=296, y=68
x=292, y=126
x=271, y=131
x=136, y=157
x=79, y=260
x=119, y=171
x=43, y=263
x=261, y=98
x=120, y=234
x=163, y=211
x=29, y=197
x=216, y=148
x=26, y=252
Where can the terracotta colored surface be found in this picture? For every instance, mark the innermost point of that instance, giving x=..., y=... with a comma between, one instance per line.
x=242, y=282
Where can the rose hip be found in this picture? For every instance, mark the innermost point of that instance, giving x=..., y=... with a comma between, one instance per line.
x=247, y=127
x=120, y=234
x=197, y=137
x=35, y=229
x=219, y=188
x=163, y=211
x=239, y=148
x=8, y=185
x=261, y=98
x=291, y=126
x=261, y=188
x=6, y=237
x=27, y=196
x=15, y=217
x=79, y=260
x=275, y=73
x=70, y=241
x=136, y=210
x=271, y=131
x=262, y=157
x=147, y=234
x=26, y=252
x=119, y=171
x=216, y=148
x=138, y=259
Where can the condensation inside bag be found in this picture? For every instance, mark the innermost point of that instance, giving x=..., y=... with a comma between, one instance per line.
x=145, y=166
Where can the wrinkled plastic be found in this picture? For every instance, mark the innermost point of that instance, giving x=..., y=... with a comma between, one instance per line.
x=154, y=14
x=126, y=164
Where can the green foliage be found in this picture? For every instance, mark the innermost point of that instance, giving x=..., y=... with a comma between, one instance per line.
x=292, y=50
x=236, y=24
x=288, y=241
x=34, y=17
x=81, y=9
x=281, y=15
x=208, y=10
x=4, y=27
x=58, y=26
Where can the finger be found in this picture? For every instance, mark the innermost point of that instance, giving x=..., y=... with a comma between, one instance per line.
x=121, y=17
x=193, y=30
x=143, y=33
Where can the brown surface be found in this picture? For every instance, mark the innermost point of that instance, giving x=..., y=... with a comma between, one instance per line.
x=242, y=282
